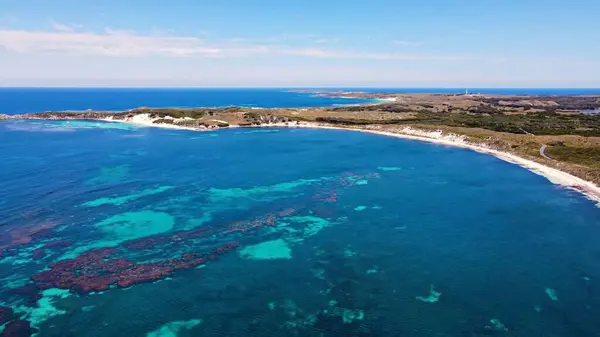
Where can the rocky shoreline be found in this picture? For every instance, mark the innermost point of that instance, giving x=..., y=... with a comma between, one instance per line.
x=158, y=117
x=65, y=115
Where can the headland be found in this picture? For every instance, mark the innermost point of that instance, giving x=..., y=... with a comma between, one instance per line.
x=555, y=136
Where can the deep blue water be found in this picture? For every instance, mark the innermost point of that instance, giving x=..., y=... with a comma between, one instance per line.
x=31, y=100
x=379, y=237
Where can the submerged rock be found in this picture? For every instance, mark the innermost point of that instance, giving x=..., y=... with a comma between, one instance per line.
x=349, y=252
x=552, y=294
x=433, y=297
x=496, y=325
x=93, y=271
x=172, y=329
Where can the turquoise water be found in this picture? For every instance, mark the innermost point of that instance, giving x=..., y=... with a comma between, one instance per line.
x=113, y=230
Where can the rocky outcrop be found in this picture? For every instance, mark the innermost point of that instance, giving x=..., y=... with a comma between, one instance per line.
x=257, y=118
x=87, y=115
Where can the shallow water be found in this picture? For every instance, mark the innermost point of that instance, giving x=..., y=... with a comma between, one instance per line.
x=339, y=234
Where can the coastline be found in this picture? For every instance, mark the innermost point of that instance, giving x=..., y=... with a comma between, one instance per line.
x=146, y=121
x=555, y=176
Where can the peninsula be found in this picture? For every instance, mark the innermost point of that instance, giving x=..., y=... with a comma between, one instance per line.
x=556, y=136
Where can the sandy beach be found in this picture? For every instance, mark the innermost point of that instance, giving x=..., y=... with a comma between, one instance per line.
x=146, y=120
x=555, y=176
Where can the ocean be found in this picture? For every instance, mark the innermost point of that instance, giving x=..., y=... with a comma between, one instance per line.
x=31, y=100
x=110, y=229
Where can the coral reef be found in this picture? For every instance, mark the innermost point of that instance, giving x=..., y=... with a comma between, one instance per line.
x=146, y=246
x=93, y=271
x=22, y=235
x=326, y=196
x=433, y=296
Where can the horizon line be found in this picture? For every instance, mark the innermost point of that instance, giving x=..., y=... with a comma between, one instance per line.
x=290, y=87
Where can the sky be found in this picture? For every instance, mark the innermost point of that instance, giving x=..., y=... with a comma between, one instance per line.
x=309, y=43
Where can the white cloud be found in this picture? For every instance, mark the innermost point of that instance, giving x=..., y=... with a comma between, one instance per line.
x=111, y=43
x=121, y=43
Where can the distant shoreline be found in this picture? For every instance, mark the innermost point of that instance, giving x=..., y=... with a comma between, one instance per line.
x=21, y=100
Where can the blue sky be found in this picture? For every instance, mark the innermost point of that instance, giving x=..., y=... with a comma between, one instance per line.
x=380, y=43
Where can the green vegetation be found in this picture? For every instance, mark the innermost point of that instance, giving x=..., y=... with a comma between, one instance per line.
x=260, y=116
x=396, y=108
x=582, y=155
x=361, y=121
x=546, y=123
x=549, y=103
x=184, y=112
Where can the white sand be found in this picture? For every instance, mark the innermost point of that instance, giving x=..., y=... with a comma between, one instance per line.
x=555, y=176
x=146, y=120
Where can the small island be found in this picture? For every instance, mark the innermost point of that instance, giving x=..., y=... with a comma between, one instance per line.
x=558, y=133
